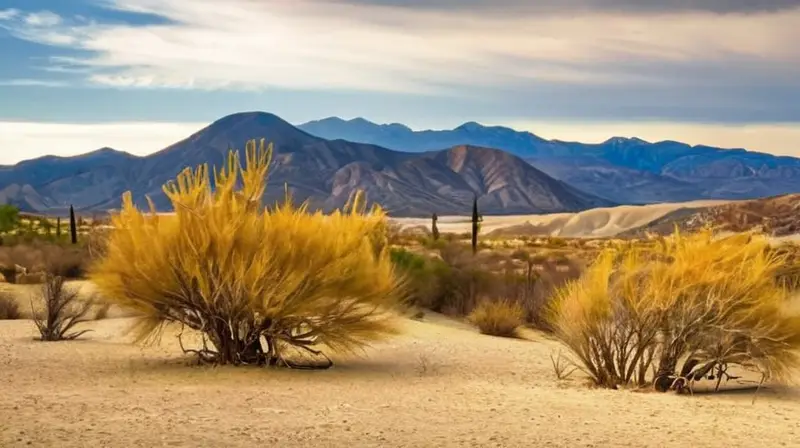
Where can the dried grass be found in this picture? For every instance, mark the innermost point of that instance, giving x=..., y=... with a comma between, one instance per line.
x=9, y=307
x=702, y=301
x=498, y=317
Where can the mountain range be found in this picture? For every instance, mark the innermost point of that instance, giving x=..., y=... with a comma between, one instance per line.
x=621, y=170
x=322, y=172
x=412, y=173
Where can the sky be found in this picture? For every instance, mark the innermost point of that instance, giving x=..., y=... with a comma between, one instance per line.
x=138, y=75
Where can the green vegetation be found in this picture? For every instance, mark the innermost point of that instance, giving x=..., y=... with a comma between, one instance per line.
x=454, y=281
x=9, y=218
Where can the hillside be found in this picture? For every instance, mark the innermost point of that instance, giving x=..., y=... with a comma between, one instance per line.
x=323, y=172
x=778, y=216
x=623, y=170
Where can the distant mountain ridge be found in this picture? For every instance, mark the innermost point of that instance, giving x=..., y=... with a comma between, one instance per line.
x=623, y=170
x=322, y=172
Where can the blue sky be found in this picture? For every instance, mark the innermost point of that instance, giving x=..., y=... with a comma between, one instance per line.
x=138, y=75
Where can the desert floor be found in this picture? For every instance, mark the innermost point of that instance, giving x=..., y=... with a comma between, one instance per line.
x=440, y=384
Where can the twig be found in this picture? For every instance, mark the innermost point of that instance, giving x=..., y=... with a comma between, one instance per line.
x=763, y=378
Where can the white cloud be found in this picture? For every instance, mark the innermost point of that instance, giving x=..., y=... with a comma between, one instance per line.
x=42, y=19
x=28, y=140
x=319, y=44
x=31, y=82
x=6, y=14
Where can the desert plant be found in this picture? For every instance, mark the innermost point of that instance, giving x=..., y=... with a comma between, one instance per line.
x=9, y=307
x=58, y=228
x=562, y=367
x=62, y=311
x=475, y=220
x=464, y=278
x=102, y=311
x=46, y=226
x=257, y=283
x=9, y=217
x=426, y=365
x=66, y=261
x=689, y=307
x=498, y=317
x=73, y=226
x=434, y=227
x=424, y=277
x=38, y=256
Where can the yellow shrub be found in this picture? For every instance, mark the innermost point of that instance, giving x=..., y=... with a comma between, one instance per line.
x=711, y=302
x=498, y=317
x=254, y=281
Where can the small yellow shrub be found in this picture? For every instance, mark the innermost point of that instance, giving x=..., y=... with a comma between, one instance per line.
x=9, y=307
x=256, y=282
x=498, y=317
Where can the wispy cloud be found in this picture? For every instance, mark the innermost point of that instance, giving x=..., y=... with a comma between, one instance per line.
x=613, y=58
x=333, y=44
x=511, y=7
x=6, y=14
x=42, y=18
x=32, y=83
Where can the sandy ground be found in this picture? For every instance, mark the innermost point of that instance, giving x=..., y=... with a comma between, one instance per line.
x=596, y=223
x=439, y=385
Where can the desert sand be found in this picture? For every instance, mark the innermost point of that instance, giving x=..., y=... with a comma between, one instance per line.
x=440, y=384
x=595, y=223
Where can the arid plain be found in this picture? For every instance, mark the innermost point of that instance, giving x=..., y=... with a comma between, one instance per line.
x=440, y=384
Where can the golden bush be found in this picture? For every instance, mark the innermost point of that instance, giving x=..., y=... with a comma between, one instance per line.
x=698, y=300
x=256, y=282
x=498, y=317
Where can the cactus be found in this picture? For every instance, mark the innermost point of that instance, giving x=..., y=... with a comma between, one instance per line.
x=475, y=219
x=434, y=228
x=73, y=228
x=58, y=227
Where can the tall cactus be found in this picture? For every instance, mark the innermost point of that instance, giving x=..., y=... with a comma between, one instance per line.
x=434, y=227
x=58, y=227
x=73, y=228
x=475, y=218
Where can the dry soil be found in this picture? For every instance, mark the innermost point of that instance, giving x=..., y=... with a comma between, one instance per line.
x=439, y=385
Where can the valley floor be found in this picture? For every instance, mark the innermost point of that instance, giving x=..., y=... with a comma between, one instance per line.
x=439, y=385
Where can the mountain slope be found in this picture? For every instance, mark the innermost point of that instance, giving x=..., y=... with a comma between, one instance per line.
x=778, y=216
x=624, y=170
x=53, y=183
x=324, y=173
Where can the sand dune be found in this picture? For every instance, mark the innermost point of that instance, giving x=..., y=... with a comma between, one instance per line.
x=439, y=385
x=597, y=223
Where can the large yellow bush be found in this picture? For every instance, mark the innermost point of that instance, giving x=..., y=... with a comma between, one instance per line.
x=254, y=281
x=701, y=301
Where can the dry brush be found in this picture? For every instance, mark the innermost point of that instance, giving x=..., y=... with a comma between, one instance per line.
x=681, y=312
x=258, y=283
